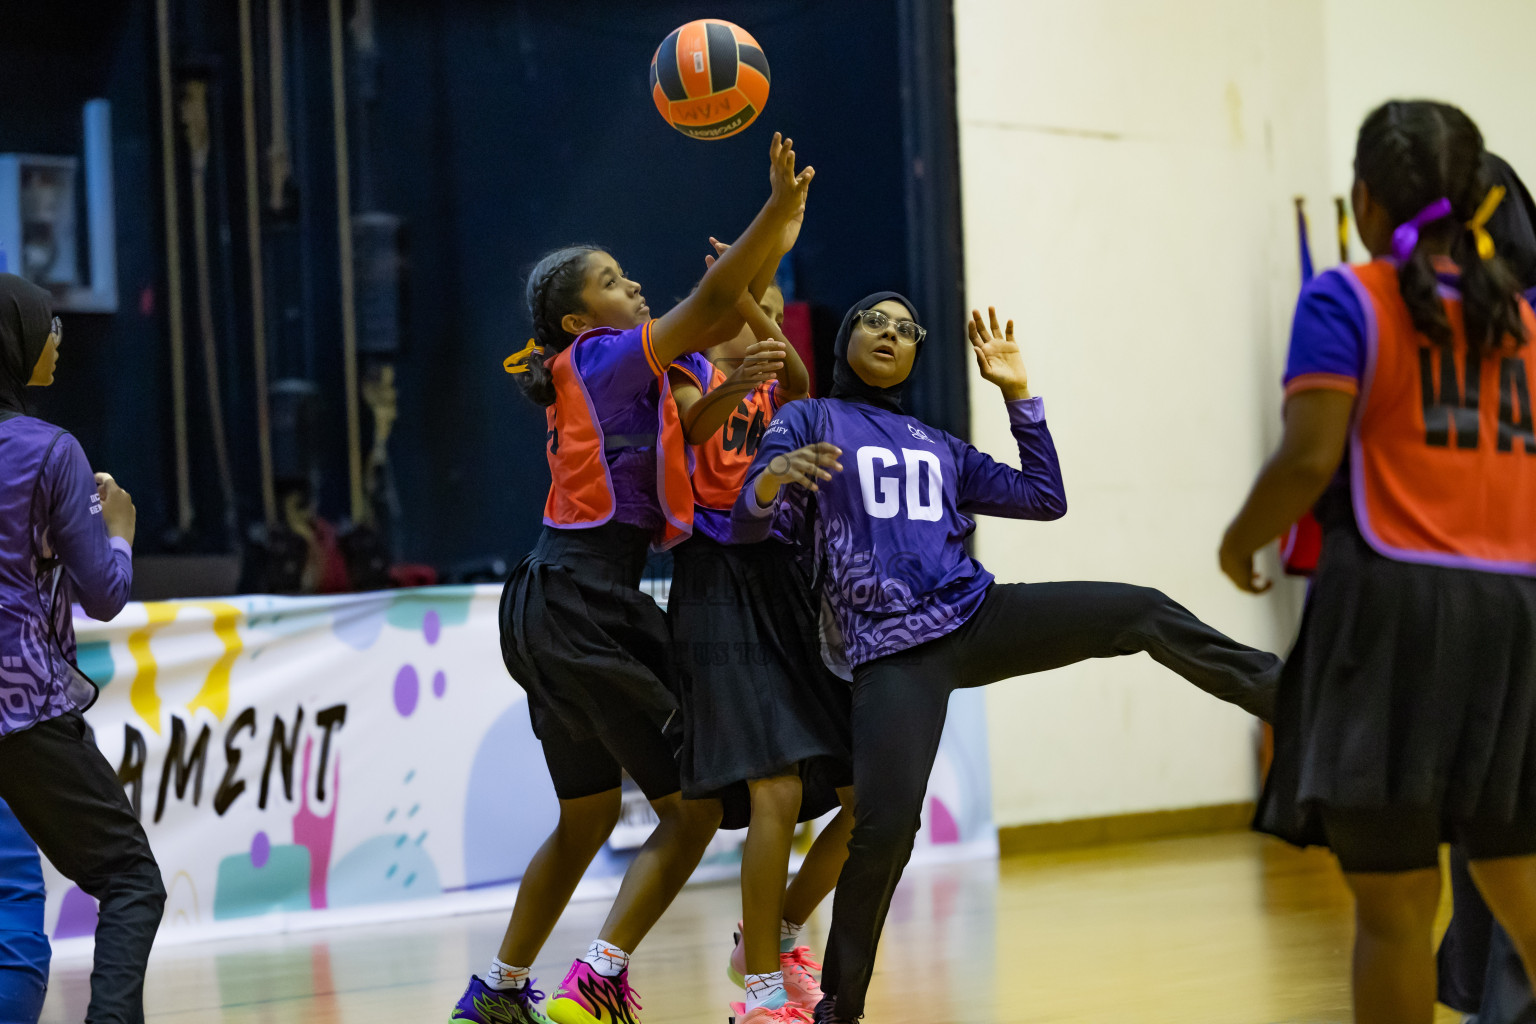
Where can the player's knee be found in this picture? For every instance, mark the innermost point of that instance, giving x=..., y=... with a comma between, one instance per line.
x=1148, y=603
x=883, y=836
x=587, y=826
x=697, y=817
x=777, y=798
x=1396, y=906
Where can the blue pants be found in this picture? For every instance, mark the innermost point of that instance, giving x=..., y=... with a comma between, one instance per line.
x=24, y=949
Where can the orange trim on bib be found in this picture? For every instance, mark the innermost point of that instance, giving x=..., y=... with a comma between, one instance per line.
x=1322, y=382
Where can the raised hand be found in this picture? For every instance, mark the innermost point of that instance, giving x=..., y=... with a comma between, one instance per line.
x=762, y=363
x=997, y=355
x=788, y=187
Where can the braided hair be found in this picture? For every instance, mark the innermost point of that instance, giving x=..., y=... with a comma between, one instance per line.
x=554, y=291
x=1410, y=153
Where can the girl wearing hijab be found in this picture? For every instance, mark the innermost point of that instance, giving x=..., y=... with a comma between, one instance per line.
x=65, y=538
x=764, y=722
x=919, y=617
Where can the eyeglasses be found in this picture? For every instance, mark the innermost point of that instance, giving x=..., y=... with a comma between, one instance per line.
x=57, y=330
x=907, y=330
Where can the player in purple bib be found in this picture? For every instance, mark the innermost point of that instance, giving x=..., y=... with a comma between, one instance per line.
x=885, y=503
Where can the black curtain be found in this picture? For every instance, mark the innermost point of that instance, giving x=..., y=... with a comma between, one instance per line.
x=935, y=256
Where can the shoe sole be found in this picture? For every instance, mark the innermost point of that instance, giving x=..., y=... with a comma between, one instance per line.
x=569, y=1011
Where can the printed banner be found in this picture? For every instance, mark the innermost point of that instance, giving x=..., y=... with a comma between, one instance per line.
x=308, y=759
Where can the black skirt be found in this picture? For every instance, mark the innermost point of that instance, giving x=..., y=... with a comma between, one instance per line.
x=579, y=635
x=1410, y=687
x=757, y=699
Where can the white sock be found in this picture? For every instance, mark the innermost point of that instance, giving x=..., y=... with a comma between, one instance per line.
x=606, y=959
x=789, y=935
x=765, y=990
x=506, y=978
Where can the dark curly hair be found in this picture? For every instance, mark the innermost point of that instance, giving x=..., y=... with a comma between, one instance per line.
x=1409, y=154
x=554, y=291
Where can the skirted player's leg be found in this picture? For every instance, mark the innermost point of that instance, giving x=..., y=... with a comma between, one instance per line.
x=596, y=990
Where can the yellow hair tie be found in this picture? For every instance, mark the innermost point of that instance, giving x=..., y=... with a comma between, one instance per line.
x=1479, y=220
x=517, y=362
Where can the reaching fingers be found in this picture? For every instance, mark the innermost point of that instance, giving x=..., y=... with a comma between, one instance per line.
x=709, y=261
x=826, y=454
x=997, y=329
x=980, y=327
x=1010, y=332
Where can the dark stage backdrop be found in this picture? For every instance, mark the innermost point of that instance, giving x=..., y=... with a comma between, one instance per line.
x=496, y=130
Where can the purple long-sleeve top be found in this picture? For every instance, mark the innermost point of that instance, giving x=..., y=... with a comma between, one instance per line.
x=54, y=552
x=890, y=529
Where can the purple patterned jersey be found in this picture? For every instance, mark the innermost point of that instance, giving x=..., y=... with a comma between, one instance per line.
x=890, y=529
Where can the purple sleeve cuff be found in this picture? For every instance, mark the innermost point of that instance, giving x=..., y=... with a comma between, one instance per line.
x=751, y=504
x=1026, y=411
x=121, y=544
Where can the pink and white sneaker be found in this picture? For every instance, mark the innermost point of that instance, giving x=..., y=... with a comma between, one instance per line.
x=800, y=985
x=586, y=997
x=789, y=1013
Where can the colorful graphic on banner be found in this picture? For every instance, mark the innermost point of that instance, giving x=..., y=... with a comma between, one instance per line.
x=294, y=756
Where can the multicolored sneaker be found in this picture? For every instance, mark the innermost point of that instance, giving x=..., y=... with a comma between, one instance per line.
x=800, y=986
x=786, y=1014
x=481, y=1004
x=586, y=997
x=736, y=969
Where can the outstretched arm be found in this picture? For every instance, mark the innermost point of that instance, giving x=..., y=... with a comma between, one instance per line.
x=688, y=326
x=703, y=414
x=1316, y=430
x=794, y=378
x=989, y=487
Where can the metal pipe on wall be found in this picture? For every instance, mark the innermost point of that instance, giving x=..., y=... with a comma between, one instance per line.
x=253, y=253
x=194, y=115
x=360, y=510
x=279, y=160
x=173, y=299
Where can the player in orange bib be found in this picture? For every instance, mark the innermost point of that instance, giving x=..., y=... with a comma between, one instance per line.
x=1407, y=710
x=591, y=648
x=765, y=722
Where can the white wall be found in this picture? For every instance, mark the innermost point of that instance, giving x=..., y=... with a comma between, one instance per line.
x=1128, y=173
x=1477, y=54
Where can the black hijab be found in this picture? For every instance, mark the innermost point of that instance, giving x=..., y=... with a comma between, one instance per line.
x=26, y=320
x=848, y=384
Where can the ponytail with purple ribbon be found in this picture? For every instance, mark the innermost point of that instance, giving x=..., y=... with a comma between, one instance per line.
x=1406, y=238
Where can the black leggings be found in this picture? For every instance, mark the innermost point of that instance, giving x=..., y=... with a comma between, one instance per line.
x=899, y=703
x=67, y=796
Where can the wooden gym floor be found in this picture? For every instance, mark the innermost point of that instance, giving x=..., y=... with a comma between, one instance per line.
x=1225, y=929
